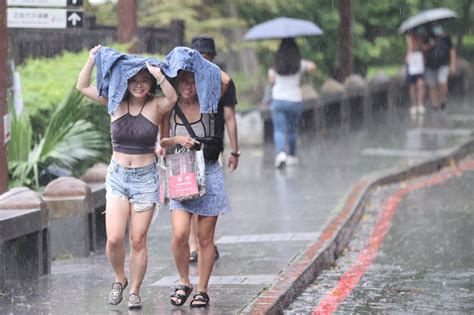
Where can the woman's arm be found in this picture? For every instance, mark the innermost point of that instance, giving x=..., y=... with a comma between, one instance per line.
x=271, y=76
x=225, y=80
x=231, y=126
x=84, y=80
x=310, y=66
x=166, y=141
x=170, y=97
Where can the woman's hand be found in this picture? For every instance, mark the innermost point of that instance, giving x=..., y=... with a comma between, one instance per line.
x=186, y=142
x=156, y=72
x=93, y=52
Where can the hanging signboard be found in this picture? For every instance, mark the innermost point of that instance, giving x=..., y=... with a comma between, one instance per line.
x=44, y=3
x=43, y=18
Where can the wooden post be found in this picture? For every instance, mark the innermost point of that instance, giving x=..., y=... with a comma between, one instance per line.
x=345, y=39
x=3, y=95
x=127, y=20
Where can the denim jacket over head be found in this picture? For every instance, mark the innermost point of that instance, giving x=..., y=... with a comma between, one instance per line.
x=114, y=69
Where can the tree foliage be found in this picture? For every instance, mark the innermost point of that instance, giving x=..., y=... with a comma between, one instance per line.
x=375, y=25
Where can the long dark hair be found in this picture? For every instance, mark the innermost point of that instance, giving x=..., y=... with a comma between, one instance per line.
x=287, y=59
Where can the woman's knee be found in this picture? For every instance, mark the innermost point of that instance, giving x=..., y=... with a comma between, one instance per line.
x=138, y=242
x=180, y=238
x=115, y=241
x=205, y=240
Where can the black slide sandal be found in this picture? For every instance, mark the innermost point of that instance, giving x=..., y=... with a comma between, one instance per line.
x=181, y=297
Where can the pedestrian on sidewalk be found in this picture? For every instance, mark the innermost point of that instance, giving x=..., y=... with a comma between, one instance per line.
x=132, y=182
x=225, y=116
x=441, y=63
x=416, y=69
x=286, y=105
x=207, y=207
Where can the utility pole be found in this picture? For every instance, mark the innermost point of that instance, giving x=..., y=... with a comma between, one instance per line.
x=3, y=95
x=345, y=39
x=127, y=20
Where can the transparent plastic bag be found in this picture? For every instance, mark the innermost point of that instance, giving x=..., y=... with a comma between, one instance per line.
x=186, y=175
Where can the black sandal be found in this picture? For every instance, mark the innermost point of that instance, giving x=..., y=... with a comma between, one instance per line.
x=193, y=257
x=200, y=299
x=182, y=297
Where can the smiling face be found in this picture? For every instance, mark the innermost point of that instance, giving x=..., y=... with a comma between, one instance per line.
x=186, y=85
x=140, y=84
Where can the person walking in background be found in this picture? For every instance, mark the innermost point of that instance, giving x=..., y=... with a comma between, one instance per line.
x=415, y=70
x=286, y=105
x=207, y=207
x=441, y=62
x=225, y=116
x=132, y=182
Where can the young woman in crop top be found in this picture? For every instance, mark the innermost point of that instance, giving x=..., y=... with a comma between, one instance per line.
x=132, y=180
x=207, y=207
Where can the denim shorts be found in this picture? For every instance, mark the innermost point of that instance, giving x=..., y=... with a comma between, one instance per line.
x=139, y=185
x=214, y=201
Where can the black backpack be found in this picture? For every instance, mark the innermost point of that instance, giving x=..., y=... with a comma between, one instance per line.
x=438, y=55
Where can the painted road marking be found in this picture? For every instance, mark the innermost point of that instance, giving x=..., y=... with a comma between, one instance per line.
x=237, y=280
x=461, y=117
x=351, y=277
x=461, y=132
x=403, y=153
x=259, y=238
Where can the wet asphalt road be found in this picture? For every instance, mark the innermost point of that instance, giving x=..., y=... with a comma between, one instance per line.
x=276, y=215
x=425, y=263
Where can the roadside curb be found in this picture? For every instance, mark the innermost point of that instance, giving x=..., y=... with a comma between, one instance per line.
x=305, y=267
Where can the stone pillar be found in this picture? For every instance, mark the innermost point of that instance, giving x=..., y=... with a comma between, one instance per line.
x=24, y=235
x=331, y=101
x=95, y=178
x=356, y=95
x=71, y=217
x=310, y=107
x=378, y=91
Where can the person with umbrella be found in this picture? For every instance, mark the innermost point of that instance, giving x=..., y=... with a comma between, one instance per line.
x=416, y=41
x=440, y=55
x=440, y=64
x=286, y=105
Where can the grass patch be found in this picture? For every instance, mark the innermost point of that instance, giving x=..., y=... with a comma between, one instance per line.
x=390, y=70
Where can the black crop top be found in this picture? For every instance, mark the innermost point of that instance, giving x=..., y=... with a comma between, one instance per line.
x=133, y=134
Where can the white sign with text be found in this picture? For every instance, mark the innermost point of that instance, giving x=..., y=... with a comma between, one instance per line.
x=43, y=18
x=44, y=3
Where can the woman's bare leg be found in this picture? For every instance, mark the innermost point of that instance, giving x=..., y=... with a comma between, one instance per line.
x=181, y=221
x=116, y=218
x=205, y=234
x=139, y=224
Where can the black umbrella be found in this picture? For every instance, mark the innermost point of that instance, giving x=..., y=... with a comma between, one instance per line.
x=425, y=17
x=282, y=27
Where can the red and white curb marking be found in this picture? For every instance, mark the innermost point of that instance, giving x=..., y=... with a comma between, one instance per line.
x=351, y=277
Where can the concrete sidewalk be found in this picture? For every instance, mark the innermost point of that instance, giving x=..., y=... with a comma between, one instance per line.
x=277, y=216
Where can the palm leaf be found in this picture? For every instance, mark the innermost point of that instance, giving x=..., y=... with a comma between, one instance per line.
x=67, y=140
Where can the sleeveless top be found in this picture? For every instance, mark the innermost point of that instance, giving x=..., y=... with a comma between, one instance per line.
x=204, y=127
x=133, y=134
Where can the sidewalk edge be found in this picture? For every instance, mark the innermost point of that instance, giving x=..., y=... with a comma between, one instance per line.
x=305, y=267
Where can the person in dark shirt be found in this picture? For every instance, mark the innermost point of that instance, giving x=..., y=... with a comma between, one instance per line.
x=440, y=64
x=225, y=119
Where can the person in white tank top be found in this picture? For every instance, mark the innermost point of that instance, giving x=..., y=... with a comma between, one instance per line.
x=286, y=106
